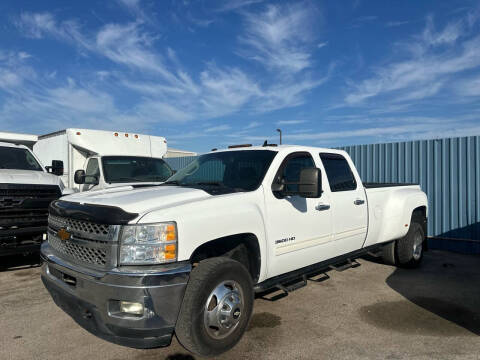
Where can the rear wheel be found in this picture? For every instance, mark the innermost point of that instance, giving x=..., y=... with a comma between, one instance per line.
x=216, y=308
x=407, y=251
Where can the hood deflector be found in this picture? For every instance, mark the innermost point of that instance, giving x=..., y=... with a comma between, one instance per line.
x=100, y=214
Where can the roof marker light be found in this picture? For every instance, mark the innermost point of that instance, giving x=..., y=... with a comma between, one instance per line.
x=79, y=133
x=136, y=136
x=126, y=135
x=116, y=134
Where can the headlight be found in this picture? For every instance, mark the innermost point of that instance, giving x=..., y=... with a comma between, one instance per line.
x=148, y=244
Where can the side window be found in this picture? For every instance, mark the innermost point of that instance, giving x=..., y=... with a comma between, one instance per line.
x=92, y=168
x=290, y=171
x=338, y=171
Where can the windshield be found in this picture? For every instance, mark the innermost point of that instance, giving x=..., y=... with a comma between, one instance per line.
x=234, y=170
x=18, y=159
x=118, y=169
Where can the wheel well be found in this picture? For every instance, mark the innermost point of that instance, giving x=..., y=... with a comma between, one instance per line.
x=241, y=247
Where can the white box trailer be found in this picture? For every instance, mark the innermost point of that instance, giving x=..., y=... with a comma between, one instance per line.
x=76, y=147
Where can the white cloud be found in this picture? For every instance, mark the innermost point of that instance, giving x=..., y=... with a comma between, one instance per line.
x=421, y=129
x=161, y=90
x=322, y=44
x=396, y=23
x=279, y=37
x=468, y=87
x=291, y=122
x=218, y=128
x=236, y=4
x=431, y=59
x=252, y=125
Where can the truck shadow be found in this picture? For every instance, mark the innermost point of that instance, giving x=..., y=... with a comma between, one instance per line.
x=446, y=285
x=19, y=262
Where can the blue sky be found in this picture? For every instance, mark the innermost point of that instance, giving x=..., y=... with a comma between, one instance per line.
x=207, y=74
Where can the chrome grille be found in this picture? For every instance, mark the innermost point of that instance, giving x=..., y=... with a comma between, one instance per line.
x=90, y=244
x=80, y=228
x=85, y=254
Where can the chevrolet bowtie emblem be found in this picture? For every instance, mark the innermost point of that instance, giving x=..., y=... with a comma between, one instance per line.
x=63, y=234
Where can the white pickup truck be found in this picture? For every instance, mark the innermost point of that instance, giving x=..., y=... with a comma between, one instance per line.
x=26, y=190
x=187, y=256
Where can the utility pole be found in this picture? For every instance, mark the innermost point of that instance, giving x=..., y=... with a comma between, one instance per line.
x=280, y=132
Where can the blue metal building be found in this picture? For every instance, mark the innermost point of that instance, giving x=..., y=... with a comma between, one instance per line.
x=448, y=170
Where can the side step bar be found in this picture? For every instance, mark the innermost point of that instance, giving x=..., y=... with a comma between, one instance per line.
x=282, y=290
x=347, y=265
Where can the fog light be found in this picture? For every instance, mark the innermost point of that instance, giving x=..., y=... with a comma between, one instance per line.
x=131, y=308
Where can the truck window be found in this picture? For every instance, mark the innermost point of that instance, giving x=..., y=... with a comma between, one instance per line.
x=18, y=159
x=290, y=169
x=92, y=169
x=338, y=171
x=241, y=170
x=118, y=169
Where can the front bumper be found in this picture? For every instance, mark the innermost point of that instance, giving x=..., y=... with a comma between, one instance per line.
x=89, y=297
x=21, y=241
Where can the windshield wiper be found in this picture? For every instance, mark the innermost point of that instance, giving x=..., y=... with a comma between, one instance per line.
x=213, y=183
x=129, y=179
x=171, y=182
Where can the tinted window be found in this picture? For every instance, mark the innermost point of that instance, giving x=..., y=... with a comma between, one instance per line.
x=241, y=170
x=18, y=159
x=292, y=167
x=119, y=169
x=338, y=171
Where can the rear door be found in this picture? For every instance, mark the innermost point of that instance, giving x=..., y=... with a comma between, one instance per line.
x=348, y=203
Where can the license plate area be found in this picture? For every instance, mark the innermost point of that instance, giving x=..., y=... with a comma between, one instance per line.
x=67, y=279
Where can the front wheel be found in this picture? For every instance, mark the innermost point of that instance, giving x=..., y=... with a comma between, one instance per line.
x=216, y=308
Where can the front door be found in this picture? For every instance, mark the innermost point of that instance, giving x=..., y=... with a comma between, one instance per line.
x=297, y=227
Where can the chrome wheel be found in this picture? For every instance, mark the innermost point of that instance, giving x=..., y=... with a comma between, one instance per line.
x=417, y=246
x=223, y=309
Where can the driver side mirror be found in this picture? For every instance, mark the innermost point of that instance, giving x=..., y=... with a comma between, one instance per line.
x=56, y=168
x=79, y=177
x=309, y=184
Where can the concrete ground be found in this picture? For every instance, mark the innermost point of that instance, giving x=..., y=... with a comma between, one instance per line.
x=372, y=311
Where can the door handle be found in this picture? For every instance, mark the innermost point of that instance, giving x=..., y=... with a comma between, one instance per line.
x=359, y=202
x=322, y=207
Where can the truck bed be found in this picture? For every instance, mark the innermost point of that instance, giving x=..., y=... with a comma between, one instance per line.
x=374, y=185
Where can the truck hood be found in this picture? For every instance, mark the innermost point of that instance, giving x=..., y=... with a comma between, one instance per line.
x=9, y=176
x=140, y=200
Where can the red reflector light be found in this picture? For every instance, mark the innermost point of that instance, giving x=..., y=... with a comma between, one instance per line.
x=116, y=134
x=126, y=135
x=136, y=136
x=79, y=133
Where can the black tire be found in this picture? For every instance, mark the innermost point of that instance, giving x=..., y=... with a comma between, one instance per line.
x=191, y=328
x=405, y=247
x=406, y=252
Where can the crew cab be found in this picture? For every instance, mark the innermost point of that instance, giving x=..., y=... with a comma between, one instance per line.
x=26, y=190
x=186, y=257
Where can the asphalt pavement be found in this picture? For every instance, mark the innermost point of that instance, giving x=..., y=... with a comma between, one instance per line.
x=373, y=311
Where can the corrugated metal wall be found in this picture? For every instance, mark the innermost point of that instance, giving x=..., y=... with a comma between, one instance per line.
x=179, y=162
x=448, y=170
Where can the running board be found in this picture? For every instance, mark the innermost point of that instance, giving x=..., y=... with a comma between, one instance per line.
x=349, y=264
x=287, y=288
